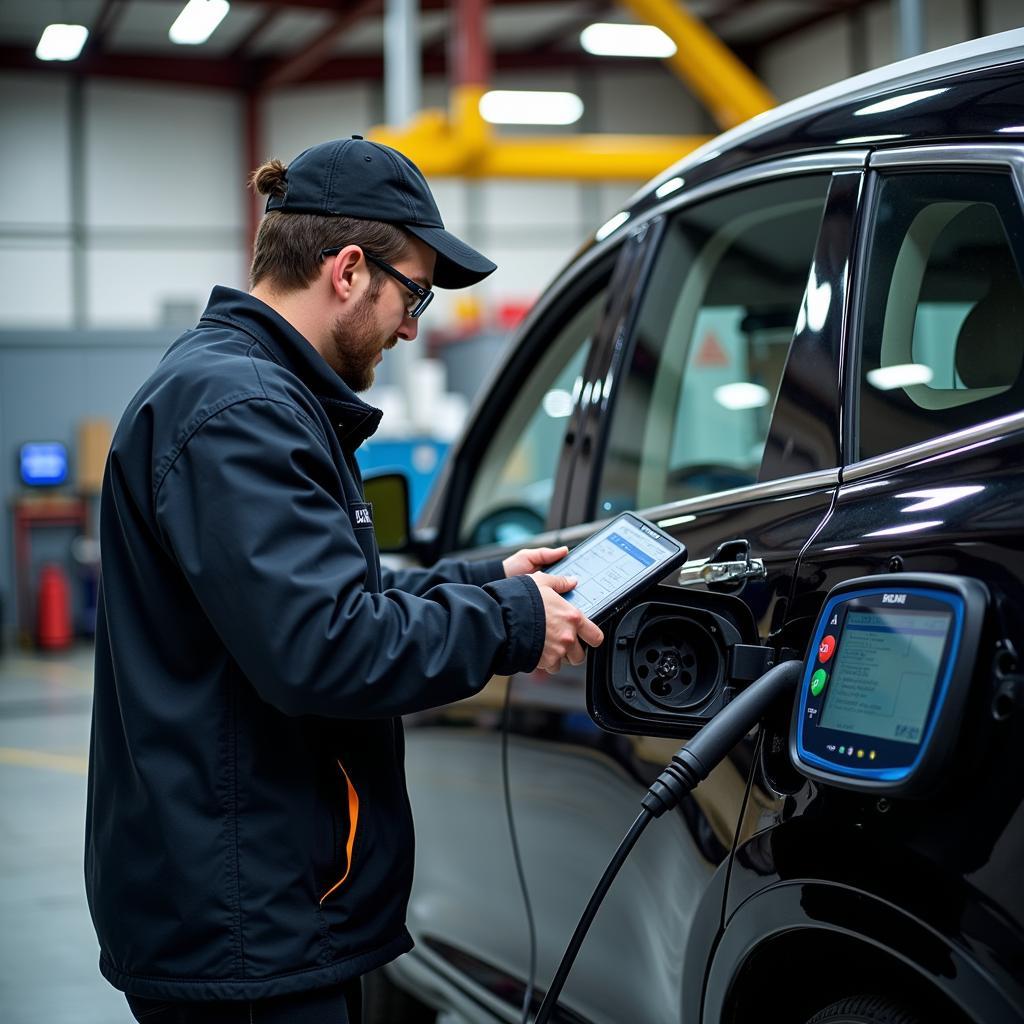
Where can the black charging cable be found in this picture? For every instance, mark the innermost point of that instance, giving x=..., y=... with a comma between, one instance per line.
x=688, y=767
x=506, y=726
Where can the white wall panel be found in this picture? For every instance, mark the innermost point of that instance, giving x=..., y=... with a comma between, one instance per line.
x=882, y=34
x=162, y=156
x=299, y=117
x=945, y=22
x=809, y=60
x=531, y=207
x=1002, y=15
x=128, y=289
x=35, y=286
x=34, y=140
x=655, y=101
x=450, y=196
x=525, y=270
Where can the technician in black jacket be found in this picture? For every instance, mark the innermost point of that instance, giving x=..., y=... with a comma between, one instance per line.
x=249, y=845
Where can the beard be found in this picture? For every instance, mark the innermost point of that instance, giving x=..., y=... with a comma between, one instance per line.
x=355, y=344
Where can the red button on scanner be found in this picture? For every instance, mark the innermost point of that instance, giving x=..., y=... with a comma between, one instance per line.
x=826, y=648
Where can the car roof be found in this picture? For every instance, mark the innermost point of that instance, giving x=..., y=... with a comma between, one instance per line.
x=835, y=107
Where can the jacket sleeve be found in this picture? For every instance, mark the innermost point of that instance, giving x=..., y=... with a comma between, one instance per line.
x=252, y=510
x=448, y=570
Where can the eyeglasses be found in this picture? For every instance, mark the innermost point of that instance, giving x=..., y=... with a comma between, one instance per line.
x=419, y=298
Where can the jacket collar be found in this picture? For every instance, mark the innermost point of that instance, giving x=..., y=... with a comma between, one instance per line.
x=355, y=419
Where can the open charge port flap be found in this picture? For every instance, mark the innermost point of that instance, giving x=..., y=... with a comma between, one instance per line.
x=666, y=667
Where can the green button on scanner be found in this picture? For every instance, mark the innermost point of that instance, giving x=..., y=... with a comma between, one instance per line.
x=818, y=681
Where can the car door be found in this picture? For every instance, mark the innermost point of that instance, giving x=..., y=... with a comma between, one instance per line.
x=933, y=447
x=503, y=488
x=746, y=293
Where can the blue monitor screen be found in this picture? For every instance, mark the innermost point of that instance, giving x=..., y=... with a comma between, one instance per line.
x=43, y=463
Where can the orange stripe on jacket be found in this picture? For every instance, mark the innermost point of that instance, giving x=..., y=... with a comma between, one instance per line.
x=353, y=821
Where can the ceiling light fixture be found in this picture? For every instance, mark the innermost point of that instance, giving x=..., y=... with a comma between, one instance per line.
x=197, y=21
x=519, y=106
x=61, y=42
x=608, y=40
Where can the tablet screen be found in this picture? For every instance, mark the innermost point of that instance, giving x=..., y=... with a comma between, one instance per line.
x=626, y=553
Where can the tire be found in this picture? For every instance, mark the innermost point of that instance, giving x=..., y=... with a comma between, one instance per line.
x=866, y=1009
x=385, y=1003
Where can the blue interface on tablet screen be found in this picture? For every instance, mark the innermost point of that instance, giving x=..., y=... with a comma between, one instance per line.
x=609, y=563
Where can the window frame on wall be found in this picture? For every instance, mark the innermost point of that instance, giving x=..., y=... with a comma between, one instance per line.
x=966, y=158
x=824, y=165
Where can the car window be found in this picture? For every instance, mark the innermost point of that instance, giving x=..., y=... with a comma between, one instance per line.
x=942, y=336
x=512, y=488
x=692, y=412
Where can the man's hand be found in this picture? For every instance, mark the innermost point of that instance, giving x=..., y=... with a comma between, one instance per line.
x=532, y=559
x=564, y=625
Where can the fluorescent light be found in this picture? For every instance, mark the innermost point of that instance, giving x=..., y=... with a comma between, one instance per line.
x=607, y=40
x=61, y=42
x=903, y=375
x=668, y=187
x=197, y=21
x=514, y=106
x=557, y=404
x=610, y=225
x=742, y=394
x=895, y=102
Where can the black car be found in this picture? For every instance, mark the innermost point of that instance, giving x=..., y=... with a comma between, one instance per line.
x=801, y=352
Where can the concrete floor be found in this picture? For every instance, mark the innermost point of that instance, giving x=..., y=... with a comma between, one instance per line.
x=48, y=951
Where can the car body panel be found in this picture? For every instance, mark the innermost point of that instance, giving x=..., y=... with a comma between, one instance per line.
x=757, y=857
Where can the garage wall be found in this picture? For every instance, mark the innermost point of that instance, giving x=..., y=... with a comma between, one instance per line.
x=125, y=202
x=868, y=37
x=155, y=211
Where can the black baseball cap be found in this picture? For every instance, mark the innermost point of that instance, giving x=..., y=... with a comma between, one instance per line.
x=358, y=178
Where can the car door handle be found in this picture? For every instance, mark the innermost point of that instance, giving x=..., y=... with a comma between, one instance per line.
x=737, y=571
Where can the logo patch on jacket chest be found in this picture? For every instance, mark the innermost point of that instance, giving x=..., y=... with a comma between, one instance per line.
x=362, y=515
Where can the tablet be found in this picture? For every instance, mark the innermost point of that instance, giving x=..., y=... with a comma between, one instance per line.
x=616, y=563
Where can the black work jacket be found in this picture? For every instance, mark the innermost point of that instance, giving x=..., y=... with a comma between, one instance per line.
x=248, y=829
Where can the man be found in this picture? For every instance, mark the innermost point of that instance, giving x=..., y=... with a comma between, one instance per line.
x=249, y=843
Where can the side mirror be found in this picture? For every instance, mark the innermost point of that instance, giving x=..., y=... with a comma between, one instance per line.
x=388, y=493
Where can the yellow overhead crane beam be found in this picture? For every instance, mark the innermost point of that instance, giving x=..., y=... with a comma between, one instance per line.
x=461, y=143
x=722, y=82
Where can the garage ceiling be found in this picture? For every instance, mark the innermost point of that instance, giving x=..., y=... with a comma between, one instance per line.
x=259, y=42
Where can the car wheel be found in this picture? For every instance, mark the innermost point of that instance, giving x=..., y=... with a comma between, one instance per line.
x=385, y=1003
x=866, y=1009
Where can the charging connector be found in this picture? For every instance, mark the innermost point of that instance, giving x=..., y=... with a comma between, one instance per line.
x=688, y=767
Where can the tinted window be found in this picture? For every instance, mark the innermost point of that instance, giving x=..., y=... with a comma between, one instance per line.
x=513, y=485
x=942, y=335
x=710, y=345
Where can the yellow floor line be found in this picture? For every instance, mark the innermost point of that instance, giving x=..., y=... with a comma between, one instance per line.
x=70, y=763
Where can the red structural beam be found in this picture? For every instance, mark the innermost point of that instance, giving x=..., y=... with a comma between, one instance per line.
x=471, y=49
x=222, y=73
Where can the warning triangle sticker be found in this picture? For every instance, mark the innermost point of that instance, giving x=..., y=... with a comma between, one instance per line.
x=711, y=352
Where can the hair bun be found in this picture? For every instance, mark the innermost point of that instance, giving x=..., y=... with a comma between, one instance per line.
x=270, y=179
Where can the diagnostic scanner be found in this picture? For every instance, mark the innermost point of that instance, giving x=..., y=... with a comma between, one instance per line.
x=886, y=679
